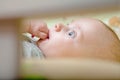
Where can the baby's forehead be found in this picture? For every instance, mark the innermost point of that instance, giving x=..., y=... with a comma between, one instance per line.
x=89, y=24
x=86, y=21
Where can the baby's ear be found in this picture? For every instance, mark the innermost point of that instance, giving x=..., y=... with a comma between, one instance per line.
x=114, y=21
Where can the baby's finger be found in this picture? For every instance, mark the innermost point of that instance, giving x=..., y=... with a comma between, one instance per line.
x=44, y=28
x=42, y=35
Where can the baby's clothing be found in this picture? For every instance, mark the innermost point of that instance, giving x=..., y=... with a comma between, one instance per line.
x=30, y=49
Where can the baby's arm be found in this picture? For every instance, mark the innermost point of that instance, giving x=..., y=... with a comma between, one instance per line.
x=37, y=28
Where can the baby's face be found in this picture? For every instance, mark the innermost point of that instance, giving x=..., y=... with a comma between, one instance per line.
x=81, y=38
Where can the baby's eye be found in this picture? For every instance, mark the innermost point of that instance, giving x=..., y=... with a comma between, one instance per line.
x=71, y=33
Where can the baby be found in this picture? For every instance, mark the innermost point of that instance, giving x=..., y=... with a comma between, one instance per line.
x=83, y=38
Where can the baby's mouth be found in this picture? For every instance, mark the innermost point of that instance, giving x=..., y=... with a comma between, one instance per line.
x=48, y=36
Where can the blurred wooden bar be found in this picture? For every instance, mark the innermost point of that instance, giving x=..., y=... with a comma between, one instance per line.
x=9, y=50
x=11, y=13
x=75, y=69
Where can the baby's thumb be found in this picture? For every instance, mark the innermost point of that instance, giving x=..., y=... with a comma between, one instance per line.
x=42, y=35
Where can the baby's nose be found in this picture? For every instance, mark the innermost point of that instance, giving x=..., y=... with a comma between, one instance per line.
x=59, y=27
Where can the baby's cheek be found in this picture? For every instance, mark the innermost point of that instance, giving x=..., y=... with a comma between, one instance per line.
x=69, y=41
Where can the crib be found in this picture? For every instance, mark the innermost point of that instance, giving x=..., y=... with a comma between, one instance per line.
x=12, y=13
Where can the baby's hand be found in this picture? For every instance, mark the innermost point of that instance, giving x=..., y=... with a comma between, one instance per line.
x=38, y=29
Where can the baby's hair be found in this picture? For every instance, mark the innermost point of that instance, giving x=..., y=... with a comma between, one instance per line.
x=115, y=44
